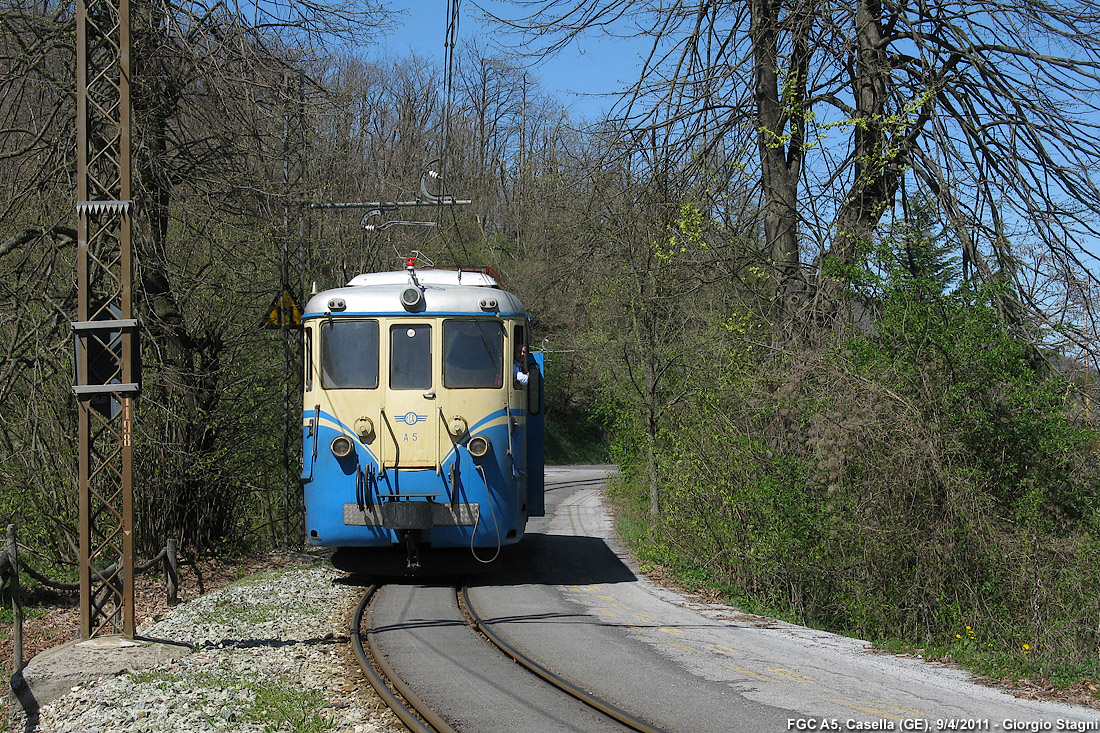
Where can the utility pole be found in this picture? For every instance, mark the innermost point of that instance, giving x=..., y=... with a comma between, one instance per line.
x=292, y=274
x=105, y=329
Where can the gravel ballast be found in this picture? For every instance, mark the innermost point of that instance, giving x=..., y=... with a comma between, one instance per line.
x=270, y=653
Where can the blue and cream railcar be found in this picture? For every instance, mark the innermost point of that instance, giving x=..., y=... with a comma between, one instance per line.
x=420, y=429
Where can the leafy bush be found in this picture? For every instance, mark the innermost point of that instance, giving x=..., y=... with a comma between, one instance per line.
x=916, y=477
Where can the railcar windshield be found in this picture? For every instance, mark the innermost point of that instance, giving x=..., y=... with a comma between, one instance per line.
x=349, y=355
x=473, y=354
x=411, y=357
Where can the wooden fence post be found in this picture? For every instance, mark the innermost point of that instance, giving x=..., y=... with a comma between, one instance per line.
x=171, y=571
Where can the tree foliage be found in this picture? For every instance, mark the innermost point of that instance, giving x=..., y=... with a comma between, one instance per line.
x=839, y=110
x=240, y=120
x=209, y=97
x=916, y=475
x=920, y=464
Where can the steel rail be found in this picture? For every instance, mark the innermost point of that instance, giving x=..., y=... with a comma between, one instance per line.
x=415, y=706
x=617, y=714
x=590, y=483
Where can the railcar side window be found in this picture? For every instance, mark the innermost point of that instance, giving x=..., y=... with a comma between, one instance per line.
x=473, y=354
x=518, y=340
x=349, y=355
x=307, y=360
x=411, y=357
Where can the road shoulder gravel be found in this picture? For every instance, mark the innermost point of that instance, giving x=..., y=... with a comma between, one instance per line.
x=269, y=653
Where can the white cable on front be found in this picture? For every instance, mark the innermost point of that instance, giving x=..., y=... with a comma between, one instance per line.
x=477, y=522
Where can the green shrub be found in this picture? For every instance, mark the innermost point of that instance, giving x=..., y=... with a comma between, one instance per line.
x=919, y=479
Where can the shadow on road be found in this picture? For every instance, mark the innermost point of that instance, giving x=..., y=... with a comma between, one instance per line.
x=539, y=558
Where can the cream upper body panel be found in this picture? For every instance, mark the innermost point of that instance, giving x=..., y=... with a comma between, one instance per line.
x=416, y=422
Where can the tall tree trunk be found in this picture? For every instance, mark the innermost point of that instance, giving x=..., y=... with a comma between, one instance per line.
x=780, y=94
x=878, y=154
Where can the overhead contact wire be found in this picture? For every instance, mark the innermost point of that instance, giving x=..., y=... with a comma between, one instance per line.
x=450, y=43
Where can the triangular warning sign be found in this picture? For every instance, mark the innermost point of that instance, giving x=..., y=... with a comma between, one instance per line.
x=284, y=311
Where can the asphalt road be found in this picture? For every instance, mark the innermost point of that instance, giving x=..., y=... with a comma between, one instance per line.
x=569, y=597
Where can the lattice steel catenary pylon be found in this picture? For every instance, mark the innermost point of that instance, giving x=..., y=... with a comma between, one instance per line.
x=105, y=327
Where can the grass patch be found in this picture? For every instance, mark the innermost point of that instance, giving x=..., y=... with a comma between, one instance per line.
x=283, y=705
x=665, y=564
x=999, y=662
x=251, y=613
x=245, y=576
x=254, y=613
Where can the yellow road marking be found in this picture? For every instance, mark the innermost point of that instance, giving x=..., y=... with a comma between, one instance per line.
x=681, y=646
x=723, y=649
x=792, y=676
x=641, y=617
x=607, y=611
x=741, y=670
x=667, y=630
x=865, y=709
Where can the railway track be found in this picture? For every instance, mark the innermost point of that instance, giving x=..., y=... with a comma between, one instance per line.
x=413, y=712
x=558, y=480
x=595, y=483
x=418, y=715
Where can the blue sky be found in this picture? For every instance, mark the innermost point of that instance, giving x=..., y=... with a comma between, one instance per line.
x=579, y=75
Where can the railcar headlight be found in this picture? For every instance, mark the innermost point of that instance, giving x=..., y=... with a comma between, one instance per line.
x=341, y=446
x=411, y=297
x=478, y=446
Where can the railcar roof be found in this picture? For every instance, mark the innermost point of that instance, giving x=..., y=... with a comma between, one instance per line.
x=427, y=277
x=445, y=292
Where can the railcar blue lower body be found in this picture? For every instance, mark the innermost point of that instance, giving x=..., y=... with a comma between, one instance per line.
x=353, y=501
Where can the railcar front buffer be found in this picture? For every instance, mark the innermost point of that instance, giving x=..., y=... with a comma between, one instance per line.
x=409, y=519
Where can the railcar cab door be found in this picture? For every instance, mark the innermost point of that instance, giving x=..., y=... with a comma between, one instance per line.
x=525, y=408
x=531, y=399
x=410, y=427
